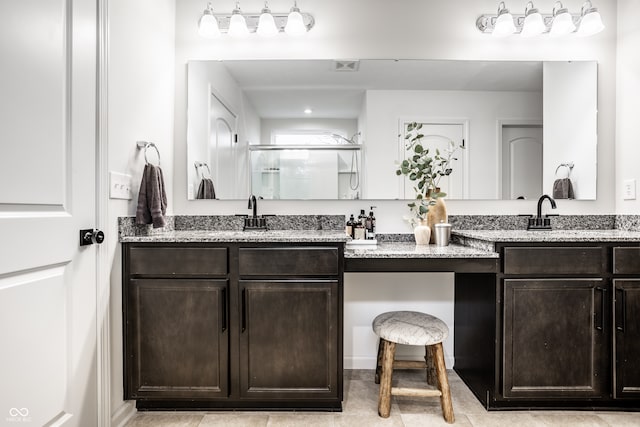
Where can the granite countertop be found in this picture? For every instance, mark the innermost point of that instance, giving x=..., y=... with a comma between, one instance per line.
x=184, y=236
x=548, y=235
x=411, y=250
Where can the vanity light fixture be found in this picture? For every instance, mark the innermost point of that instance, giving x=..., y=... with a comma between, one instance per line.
x=237, y=23
x=504, y=25
x=208, y=24
x=264, y=23
x=560, y=22
x=590, y=20
x=533, y=22
x=295, y=22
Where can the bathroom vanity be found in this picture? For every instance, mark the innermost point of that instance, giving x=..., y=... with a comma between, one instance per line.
x=557, y=325
x=234, y=320
x=254, y=320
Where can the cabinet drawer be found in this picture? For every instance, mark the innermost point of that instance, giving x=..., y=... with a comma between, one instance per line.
x=553, y=260
x=626, y=260
x=299, y=261
x=179, y=261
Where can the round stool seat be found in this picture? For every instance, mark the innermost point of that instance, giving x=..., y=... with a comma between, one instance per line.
x=410, y=328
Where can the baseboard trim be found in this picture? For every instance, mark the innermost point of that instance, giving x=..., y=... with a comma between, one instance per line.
x=123, y=414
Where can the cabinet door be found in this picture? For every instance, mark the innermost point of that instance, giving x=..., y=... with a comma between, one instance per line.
x=177, y=339
x=627, y=338
x=289, y=339
x=555, y=338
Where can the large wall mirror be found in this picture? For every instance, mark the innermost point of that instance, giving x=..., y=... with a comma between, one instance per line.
x=323, y=129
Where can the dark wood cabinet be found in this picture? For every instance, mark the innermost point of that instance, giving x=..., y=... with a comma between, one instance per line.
x=288, y=345
x=627, y=337
x=554, y=338
x=177, y=335
x=557, y=327
x=233, y=326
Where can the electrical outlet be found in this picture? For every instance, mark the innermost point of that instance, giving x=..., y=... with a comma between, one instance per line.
x=119, y=186
x=629, y=189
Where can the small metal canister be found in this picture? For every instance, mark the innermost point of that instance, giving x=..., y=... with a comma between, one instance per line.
x=443, y=233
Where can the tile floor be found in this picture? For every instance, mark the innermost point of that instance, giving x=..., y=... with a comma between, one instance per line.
x=360, y=410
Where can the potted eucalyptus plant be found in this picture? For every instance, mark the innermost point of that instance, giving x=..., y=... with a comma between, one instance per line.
x=426, y=167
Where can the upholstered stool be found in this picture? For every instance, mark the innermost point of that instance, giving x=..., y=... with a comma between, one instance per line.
x=411, y=328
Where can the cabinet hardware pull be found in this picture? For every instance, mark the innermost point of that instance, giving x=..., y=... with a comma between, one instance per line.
x=244, y=310
x=224, y=309
x=599, y=325
x=622, y=319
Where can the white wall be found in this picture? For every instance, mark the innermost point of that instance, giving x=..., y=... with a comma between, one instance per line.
x=140, y=97
x=415, y=29
x=628, y=103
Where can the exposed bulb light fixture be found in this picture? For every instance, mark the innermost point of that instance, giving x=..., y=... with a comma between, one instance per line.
x=237, y=24
x=308, y=111
x=533, y=22
x=562, y=23
x=295, y=22
x=590, y=20
x=264, y=23
x=504, y=25
x=208, y=24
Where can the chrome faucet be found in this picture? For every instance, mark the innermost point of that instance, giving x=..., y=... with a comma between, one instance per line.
x=253, y=204
x=538, y=222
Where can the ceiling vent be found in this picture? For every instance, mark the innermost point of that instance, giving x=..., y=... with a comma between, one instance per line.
x=346, y=65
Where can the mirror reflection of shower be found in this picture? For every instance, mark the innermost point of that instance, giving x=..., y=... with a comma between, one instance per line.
x=354, y=173
x=307, y=164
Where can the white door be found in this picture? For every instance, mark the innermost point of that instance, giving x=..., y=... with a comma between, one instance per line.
x=437, y=137
x=224, y=165
x=521, y=162
x=47, y=194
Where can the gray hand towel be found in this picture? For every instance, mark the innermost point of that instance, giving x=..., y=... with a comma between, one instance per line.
x=563, y=189
x=152, y=198
x=206, y=190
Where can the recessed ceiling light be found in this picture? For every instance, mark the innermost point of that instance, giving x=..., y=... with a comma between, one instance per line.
x=308, y=111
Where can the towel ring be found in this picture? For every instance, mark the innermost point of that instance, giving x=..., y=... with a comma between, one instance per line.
x=146, y=145
x=198, y=165
x=569, y=167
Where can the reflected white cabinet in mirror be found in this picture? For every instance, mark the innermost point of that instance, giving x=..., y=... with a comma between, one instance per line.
x=324, y=129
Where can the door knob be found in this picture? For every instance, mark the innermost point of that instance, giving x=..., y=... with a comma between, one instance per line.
x=91, y=236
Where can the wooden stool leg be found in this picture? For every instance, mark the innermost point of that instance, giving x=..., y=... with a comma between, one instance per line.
x=379, y=361
x=443, y=383
x=432, y=378
x=384, y=398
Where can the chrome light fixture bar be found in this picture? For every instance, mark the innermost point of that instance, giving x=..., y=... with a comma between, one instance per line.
x=533, y=23
x=264, y=23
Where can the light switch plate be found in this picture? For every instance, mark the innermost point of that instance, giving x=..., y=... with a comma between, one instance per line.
x=119, y=186
x=629, y=189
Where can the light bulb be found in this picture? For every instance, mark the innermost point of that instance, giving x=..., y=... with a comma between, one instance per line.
x=208, y=24
x=590, y=22
x=533, y=22
x=266, y=24
x=237, y=24
x=295, y=22
x=504, y=22
x=562, y=22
